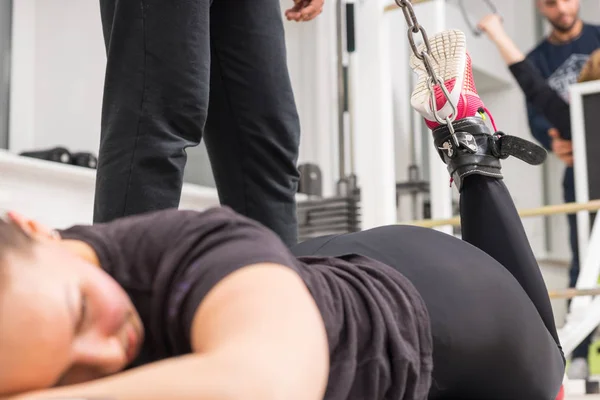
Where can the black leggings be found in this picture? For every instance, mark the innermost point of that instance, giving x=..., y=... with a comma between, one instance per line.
x=492, y=323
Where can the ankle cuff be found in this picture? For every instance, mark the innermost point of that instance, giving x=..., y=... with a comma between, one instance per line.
x=473, y=150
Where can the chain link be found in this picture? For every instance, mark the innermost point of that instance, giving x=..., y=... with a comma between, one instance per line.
x=414, y=28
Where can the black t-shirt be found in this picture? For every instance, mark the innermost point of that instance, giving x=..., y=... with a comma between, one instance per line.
x=167, y=261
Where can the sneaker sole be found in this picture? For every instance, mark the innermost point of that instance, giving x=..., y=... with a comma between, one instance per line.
x=449, y=57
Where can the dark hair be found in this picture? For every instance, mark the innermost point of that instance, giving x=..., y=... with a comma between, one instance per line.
x=13, y=238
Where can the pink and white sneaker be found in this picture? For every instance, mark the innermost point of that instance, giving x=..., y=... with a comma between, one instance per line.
x=452, y=64
x=468, y=147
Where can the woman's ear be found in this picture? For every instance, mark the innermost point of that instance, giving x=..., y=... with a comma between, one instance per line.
x=32, y=228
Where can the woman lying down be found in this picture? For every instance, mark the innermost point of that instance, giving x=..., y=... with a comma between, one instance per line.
x=211, y=305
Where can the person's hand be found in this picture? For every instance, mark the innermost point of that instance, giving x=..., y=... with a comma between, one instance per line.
x=492, y=26
x=561, y=147
x=304, y=10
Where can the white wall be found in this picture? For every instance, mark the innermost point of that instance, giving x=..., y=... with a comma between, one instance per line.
x=69, y=74
x=22, y=85
x=312, y=63
x=57, y=75
x=590, y=11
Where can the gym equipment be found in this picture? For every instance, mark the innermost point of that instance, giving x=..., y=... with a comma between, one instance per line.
x=463, y=9
x=413, y=187
x=340, y=213
x=567, y=208
x=571, y=293
x=476, y=31
x=348, y=183
x=64, y=156
x=329, y=216
x=56, y=154
x=311, y=180
x=86, y=160
x=394, y=6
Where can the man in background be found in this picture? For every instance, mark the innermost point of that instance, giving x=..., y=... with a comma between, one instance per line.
x=560, y=57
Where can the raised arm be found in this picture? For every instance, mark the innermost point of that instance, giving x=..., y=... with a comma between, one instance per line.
x=537, y=91
x=543, y=97
x=492, y=26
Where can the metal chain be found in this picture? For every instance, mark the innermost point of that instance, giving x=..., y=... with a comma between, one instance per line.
x=424, y=55
x=476, y=31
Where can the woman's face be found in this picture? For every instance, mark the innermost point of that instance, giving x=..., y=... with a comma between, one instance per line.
x=62, y=321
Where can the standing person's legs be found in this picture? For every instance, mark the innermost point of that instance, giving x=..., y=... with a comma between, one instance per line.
x=155, y=102
x=253, y=131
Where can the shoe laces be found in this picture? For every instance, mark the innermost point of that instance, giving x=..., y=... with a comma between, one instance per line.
x=484, y=110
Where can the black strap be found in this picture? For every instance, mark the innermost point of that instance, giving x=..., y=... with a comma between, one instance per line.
x=504, y=146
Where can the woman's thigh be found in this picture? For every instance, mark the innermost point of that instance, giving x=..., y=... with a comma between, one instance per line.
x=489, y=340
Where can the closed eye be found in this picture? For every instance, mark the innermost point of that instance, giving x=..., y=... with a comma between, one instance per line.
x=82, y=313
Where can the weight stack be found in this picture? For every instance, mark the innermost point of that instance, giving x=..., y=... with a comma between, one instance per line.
x=330, y=216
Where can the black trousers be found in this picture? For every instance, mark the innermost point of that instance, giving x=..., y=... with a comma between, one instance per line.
x=182, y=70
x=493, y=328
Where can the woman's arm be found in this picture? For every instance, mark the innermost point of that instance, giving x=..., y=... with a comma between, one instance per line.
x=257, y=335
x=543, y=97
x=492, y=26
x=536, y=89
